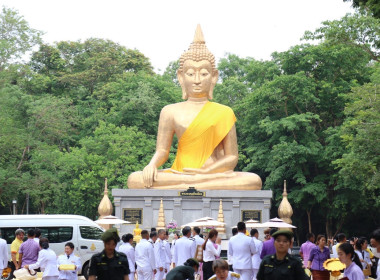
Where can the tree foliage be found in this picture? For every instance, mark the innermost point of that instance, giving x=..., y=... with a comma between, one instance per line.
x=16, y=36
x=83, y=111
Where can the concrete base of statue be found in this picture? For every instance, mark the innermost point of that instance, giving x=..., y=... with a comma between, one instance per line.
x=185, y=206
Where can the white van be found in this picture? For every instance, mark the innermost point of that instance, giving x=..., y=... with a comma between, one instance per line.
x=59, y=229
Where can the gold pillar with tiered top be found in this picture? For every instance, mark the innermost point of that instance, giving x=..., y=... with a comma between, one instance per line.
x=161, y=217
x=105, y=207
x=221, y=230
x=285, y=210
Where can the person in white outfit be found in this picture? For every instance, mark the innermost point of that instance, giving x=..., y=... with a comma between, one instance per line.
x=69, y=258
x=3, y=255
x=210, y=253
x=47, y=261
x=242, y=248
x=129, y=251
x=175, y=239
x=160, y=255
x=144, y=256
x=256, y=260
x=184, y=248
x=375, y=244
x=168, y=254
x=199, y=240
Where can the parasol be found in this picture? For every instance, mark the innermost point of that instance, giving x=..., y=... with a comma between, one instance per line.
x=275, y=223
x=111, y=220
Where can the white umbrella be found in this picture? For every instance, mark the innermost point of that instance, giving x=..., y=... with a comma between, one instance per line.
x=204, y=219
x=205, y=223
x=276, y=223
x=250, y=224
x=111, y=220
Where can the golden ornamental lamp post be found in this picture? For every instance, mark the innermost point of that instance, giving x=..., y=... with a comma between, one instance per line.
x=105, y=207
x=285, y=210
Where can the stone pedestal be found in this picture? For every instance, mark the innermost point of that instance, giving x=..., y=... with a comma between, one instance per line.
x=144, y=204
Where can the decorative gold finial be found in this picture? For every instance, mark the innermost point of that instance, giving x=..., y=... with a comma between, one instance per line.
x=161, y=217
x=105, y=207
x=221, y=230
x=285, y=210
x=198, y=37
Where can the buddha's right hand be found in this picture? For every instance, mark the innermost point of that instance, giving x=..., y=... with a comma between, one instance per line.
x=149, y=175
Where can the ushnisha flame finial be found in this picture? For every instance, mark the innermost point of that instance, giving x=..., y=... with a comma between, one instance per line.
x=197, y=50
x=198, y=37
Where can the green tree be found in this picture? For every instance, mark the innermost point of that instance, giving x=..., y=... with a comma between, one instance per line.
x=16, y=37
x=371, y=6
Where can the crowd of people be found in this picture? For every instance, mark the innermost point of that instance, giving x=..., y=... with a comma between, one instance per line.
x=35, y=255
x=191, y=256
x=360, y=261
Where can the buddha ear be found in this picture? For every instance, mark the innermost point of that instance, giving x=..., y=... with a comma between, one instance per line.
x=214, y=79
x=180, y=80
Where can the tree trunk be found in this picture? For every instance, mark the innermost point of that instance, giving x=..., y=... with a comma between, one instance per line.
x=309, y=219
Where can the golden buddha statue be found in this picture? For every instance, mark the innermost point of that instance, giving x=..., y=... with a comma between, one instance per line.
x=137, y=233
x=207, y=148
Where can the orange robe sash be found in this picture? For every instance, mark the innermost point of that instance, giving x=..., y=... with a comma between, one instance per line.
x=203, y=135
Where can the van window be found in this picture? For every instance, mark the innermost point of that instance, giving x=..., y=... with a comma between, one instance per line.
x=90, y=232
x=54, y=234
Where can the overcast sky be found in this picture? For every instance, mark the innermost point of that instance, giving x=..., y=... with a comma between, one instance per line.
x=162, y=30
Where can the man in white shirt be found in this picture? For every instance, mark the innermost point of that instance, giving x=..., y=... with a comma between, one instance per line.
x=129, y=251
x=241, y=248
x=160, y=255
x=341, y=239
x=256, y=260
x=3, y=255
x=184, y=248
x=168, y=254
x=69, y=258
x=144, y=256
x=152, y=237
x=375, y=244
x=230, y=258
x=198, y=240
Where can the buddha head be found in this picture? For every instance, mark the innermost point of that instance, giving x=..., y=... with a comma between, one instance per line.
x=197, y=73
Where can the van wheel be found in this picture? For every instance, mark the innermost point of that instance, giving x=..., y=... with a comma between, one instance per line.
x=85, y=270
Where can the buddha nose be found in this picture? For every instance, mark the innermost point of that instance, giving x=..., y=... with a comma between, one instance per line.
x=197, y=78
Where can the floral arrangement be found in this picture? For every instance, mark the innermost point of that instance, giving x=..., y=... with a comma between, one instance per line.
x=172, y=226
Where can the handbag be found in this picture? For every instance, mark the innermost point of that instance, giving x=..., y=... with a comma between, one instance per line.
x=25, y=274
x=367, y=271
x=199, y=253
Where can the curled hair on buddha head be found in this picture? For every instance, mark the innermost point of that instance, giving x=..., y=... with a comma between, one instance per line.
x=219, y=264
x=44, y=243
x=349, y=250
x=191, y=262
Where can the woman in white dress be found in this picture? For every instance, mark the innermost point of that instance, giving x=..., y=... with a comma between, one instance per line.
x=127, y=249
x=47, y=261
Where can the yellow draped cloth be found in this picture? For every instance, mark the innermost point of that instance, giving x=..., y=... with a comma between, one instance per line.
x=203, y=135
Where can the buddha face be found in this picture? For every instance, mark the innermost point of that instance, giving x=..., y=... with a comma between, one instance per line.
x=197, y=79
